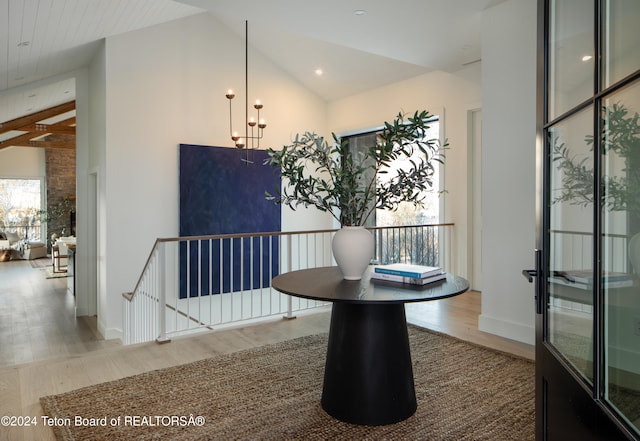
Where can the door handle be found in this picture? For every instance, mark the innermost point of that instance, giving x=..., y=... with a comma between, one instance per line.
x=529, y=275
x=534, y=276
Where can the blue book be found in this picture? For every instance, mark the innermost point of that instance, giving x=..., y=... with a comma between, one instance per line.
x=408, y=270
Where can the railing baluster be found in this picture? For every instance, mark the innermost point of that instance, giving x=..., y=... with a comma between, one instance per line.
x=145, y=312
x=289, y=313
x=162, y=298
x=231, y=279
x=220, y=277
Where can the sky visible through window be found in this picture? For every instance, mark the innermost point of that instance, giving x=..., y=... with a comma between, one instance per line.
x=407, y=214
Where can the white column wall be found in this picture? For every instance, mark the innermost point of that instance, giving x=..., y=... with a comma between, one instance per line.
x=84, y=283
x=97, y=172
x=508, y=168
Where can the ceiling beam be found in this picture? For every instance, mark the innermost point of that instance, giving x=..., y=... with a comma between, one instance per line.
x=52, y=141
x=18, y=141
x=62, y=129
x=58, y=135
x=16, y=124
x=67, y=122
x=40, y=144
x=51, y=144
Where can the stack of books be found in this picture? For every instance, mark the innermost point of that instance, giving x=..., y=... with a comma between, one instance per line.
x=407, y=273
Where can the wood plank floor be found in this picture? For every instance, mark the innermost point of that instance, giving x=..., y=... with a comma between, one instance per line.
x=37, y=316
x=55, y=366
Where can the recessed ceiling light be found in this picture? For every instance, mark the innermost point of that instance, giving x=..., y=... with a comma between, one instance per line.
x=587, y=57
x=359, y=12
x=318, y=72
x=24, y=43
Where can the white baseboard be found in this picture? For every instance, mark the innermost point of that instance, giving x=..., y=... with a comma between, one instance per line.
x=507, y=329
x=112, y=333
x=109, y=333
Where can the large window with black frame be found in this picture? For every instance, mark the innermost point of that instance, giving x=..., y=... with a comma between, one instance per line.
x=425, y=252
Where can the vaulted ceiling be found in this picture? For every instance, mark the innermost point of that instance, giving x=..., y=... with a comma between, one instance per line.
x=359, y=44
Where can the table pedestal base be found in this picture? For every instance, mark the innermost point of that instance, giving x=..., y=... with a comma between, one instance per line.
x=368, y=375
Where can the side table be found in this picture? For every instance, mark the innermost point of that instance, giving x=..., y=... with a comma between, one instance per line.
x=368, y=377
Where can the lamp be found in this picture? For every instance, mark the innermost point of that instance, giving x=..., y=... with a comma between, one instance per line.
x=257, y=124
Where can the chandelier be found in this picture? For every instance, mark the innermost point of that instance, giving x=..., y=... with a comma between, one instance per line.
x=256, y=125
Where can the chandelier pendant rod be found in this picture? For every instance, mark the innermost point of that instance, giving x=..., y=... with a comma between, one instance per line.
x=246, y=88
x=249, y=122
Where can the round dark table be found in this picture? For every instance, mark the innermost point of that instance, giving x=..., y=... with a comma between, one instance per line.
x=368, y=376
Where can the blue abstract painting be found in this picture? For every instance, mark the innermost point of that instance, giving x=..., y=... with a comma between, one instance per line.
x=223, y=193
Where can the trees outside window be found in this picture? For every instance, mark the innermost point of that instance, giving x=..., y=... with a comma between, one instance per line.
x=20, y=205
x=407, y=213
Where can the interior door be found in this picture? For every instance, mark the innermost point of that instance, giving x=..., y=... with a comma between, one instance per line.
x=588, y=258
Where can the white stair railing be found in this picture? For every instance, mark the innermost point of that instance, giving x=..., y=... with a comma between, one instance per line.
x=190, y=284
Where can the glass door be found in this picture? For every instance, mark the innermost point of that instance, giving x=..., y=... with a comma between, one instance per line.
x=588, y=290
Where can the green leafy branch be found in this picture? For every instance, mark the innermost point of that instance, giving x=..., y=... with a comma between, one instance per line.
x=348, y=184
x=56, y=211
x=620, y=136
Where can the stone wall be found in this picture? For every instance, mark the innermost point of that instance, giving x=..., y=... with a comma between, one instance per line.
x=61, y=186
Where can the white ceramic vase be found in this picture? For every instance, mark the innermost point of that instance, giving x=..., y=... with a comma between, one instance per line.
x=352, y=249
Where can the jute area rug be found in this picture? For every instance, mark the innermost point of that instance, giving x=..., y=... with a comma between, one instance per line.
x=464, y=392
x=45, y=265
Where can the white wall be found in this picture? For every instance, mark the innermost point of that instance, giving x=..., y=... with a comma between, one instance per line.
x=508, y=100
x=449, y=95
x=165, y=85
x=22, y=162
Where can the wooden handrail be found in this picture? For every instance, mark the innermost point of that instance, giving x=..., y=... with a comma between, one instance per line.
x=289, y=233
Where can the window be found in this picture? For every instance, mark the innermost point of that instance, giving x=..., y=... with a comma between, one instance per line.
x=20, y=204
x=406, y=214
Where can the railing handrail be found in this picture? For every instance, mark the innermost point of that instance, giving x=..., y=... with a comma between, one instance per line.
x=129, y=295
x=289, y=233
x=590, y=233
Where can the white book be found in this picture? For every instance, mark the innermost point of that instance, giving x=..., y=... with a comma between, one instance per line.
x=408, y=280
x=408, y=270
